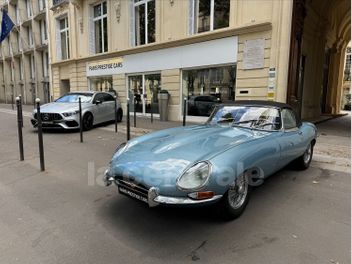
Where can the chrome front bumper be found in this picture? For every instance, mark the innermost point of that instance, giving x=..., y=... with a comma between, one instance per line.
x=154, y=199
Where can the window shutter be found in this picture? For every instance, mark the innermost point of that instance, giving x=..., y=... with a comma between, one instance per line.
x=91, y=31
x=191, y=17
x=132, y=24
x=58, y=41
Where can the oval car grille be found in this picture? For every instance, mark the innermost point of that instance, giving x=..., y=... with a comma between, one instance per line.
x=49, y=116
x=133, y=186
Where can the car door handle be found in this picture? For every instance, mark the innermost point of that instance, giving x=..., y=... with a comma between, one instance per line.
x=300, y=133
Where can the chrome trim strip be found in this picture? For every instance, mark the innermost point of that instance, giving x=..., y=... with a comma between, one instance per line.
x=183, y=200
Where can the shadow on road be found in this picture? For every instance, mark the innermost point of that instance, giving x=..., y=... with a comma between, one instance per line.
x=70, y=131
x=146, y=228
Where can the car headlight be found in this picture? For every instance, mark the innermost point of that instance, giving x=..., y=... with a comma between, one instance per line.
x=71, y=113
x=195, y=177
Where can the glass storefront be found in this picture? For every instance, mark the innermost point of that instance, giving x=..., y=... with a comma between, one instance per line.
x=103, y=84
x=206, y=87
x=143, y=92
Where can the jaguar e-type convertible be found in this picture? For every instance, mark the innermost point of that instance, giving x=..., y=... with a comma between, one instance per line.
x=217, y=162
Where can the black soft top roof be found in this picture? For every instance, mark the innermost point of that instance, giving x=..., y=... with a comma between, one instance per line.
x=261, y=103
x=266, y=104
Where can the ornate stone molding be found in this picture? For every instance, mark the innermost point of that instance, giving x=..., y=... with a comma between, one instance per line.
x=81, y=24
x=77, y=3
x=59, y=6
x=117, y=8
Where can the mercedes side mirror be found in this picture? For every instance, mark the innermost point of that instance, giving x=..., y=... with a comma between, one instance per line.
x=98, y=102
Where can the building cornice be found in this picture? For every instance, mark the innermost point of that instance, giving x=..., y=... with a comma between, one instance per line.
x=221, y=33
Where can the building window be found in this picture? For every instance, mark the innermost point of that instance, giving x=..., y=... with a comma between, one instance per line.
x=41, y=4
x=144, y=21
x=12, y=72
x=30, y=37
x=63, y=39
x=17, y=13
x=102, y=84
x=10, y=47
x=100, y=20
x=19, y=41
x=43, y=32
x=207, y=15
x=205, y=88
x=45, y=57
x=29, y=8
x=21, y=69
x=32, y=66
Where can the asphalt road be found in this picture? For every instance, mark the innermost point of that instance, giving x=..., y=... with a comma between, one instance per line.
x=64, y=215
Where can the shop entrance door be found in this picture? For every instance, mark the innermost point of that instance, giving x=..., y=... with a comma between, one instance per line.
x=143, y=92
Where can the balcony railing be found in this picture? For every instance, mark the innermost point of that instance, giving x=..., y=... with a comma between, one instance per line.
x=40, y=42
x=59, y=2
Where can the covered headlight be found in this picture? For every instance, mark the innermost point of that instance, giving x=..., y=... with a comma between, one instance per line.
x=71, y=113
x=195, y=177
x=108, y=174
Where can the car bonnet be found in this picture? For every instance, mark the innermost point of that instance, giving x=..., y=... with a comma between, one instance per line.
x=164, y=155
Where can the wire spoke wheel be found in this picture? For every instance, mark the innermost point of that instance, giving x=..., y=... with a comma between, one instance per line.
x=307, y=154
x=238, y=192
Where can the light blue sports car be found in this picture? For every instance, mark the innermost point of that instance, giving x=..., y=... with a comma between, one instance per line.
x=217, y=162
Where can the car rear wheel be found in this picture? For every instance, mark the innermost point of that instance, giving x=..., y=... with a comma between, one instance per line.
x=236, y=198
x=87, y=121
x=304, y=161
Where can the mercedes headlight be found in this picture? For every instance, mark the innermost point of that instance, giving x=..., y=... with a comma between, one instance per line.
x=71, y=113
x=195, y=177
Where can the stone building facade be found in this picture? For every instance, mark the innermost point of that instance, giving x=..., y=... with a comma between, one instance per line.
x=24, y=54
x=207, y=51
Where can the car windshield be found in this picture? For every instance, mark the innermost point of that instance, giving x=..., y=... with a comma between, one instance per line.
x=73, y=98
x=257, y=117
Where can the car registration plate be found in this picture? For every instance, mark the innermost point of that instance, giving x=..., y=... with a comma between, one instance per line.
x=133, y=194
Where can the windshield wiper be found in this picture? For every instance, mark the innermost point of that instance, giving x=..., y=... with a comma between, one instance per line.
x=227, y=120
x=245, y=121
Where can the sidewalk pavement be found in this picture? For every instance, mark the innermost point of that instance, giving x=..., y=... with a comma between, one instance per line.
x=144, y=124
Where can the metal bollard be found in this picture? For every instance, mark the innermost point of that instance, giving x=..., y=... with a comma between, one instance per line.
x=134, y=113
x=115, y=114
x=128, y=120
x=20, y=124
x=151, y=110
x=12, y=101
x=21, y=112
x=40, y=136
x=80, y=120
x=184, y=110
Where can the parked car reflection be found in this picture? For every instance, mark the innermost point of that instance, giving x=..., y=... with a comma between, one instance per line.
x=202, y=105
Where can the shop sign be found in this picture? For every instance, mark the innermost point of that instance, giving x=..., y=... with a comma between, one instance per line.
x=272, y=83
x=253, y=54
x=105, y=67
